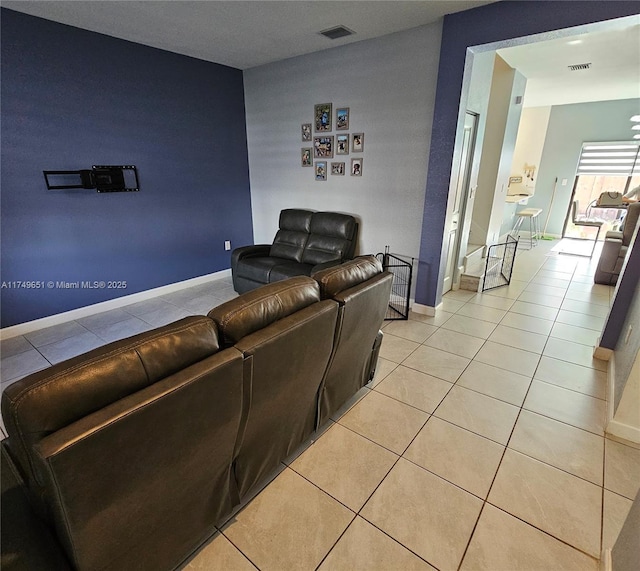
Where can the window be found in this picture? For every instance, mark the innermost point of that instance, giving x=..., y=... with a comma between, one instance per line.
x=604, y=167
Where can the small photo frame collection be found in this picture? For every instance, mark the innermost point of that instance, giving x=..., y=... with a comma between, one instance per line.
x=325, y=146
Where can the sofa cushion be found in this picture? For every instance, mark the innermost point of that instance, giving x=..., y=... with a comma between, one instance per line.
x=331, y=238
x=291, y=238
x=258, y=269
x=256, y=309
x=348, y=274
x=289, y=269
x=49, y=400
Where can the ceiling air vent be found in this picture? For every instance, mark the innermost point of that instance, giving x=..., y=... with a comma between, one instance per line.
x=579, y=66
x=337, y=32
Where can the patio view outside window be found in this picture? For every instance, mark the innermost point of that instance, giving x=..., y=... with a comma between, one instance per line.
x=603, y=167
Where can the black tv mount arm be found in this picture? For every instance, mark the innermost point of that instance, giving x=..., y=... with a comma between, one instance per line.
x=104, y=178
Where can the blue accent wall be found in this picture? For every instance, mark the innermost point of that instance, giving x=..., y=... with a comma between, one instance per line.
x=483, y=25
x=73, y=98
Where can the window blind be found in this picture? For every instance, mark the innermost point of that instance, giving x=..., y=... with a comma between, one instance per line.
x=622, y=159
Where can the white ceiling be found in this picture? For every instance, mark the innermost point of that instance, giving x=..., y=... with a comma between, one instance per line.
x=238, y=33
x=614, y=54
x=245, y=34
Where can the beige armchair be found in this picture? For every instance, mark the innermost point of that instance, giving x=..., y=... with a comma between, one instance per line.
x=615, y=247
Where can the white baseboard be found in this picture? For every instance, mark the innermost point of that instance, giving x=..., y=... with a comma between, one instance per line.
x=611, y=391
x=623, y=431
x=59, y=318
x=425, y=309
x=602, y=353
x=605, y=561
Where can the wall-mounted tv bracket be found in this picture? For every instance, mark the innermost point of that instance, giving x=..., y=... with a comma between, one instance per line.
x=104, y=178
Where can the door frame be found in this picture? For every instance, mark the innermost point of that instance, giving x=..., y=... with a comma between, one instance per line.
x=463, y=222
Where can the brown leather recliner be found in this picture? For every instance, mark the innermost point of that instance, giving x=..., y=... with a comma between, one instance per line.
x=126, y=451
x=306, y=242
x=362, y=291
x=615, y=247
x=285, y=334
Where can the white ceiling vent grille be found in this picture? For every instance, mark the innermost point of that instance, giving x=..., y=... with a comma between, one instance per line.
x=337, y=32
x=579, y=66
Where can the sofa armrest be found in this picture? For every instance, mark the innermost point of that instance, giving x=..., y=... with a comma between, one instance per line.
x=613, y=235
x=247, y=252
x=611, y=251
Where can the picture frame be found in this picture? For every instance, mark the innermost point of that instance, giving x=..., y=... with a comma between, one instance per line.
x=357, y=142
x=321, y=170
x=338, y=169
x=306, y=157
x=342, y=144
x=356, y=167
x=342, y=119
x=323, y=147
x=305, y=129
x=322, y=117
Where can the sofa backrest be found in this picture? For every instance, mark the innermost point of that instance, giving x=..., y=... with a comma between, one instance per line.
x=293, y=233
x=285, y=334
x=362, y=290
x=314, y=237
x=49, y=400
x=256, y=309
x=630, y=221
x=332, y=237
x=139, y=483
x=351, y=273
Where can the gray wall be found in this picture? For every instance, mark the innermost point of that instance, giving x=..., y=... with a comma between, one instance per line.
x=389, y=85
x=626, y=551
x=569, y=127
x=625, y=314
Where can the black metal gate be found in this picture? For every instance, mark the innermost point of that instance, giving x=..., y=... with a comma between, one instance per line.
x=402, y=271
x=499, y=266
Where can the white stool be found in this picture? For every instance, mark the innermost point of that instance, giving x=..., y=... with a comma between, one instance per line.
x=534, y=225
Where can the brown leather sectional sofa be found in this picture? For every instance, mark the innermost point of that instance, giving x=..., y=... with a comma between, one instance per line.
x=616, y=247
x=128, y=456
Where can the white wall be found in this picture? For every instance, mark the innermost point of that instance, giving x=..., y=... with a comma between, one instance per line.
x=627, y=414
x=503, y=116
x=532, y=133
x=389, y=85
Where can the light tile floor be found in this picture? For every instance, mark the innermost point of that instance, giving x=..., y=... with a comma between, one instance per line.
x=37, y=350
x=478, y=446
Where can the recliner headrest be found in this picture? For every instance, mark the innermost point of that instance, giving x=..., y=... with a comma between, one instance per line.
x=295, y=219
x=333, y=224
x=260, y=307
x=348, y=274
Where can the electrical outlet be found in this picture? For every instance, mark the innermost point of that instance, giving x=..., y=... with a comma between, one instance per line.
x=564, y=182
x=227, y=244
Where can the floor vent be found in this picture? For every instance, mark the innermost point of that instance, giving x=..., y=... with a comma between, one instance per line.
x=337, y=32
